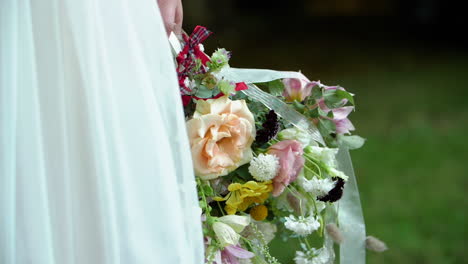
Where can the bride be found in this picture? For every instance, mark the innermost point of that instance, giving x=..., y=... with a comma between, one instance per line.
x=94, y=161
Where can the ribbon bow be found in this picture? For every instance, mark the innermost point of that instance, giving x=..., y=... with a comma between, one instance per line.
x=186, y=59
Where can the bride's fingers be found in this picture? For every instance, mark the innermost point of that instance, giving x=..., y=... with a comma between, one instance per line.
x=168, y=13
x=179, y=17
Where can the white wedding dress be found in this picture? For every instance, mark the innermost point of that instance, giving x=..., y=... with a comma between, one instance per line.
x=94, y=161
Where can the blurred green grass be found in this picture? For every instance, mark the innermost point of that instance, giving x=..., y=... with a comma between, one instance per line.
x=412, y=171
x=411, y=107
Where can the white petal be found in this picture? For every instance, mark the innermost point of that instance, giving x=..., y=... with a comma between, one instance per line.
x=237, y=222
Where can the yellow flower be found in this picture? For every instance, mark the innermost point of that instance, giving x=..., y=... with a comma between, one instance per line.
x=241, y=196
x=259, y=212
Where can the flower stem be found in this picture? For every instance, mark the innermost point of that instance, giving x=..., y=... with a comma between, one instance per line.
x=220, y=208
x=314, y=162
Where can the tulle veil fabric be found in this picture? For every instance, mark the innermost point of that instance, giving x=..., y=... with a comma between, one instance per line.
x=94, y=161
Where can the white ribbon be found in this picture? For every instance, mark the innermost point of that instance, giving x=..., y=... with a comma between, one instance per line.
x=350, y=217
x=284, y=111
x=256, y=75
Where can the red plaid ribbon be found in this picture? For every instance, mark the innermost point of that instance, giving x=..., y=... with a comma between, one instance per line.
x=186, y=59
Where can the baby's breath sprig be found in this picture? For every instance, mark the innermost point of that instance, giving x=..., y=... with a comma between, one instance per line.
x=263, y=247
x=211, y=251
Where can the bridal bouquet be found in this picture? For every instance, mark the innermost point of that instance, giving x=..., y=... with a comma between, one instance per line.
x=264, y=146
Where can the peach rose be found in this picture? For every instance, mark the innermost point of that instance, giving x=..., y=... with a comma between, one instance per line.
x=221, y=133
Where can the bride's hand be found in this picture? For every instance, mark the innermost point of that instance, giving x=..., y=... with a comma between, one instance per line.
x=172, y=14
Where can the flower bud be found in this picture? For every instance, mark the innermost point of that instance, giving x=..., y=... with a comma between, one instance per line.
x=225, y=234
x=297, y=134
x=335, y=233
x=236, y=222
x=375, y=244
x=297, y=89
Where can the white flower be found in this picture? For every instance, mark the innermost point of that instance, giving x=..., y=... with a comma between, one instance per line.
x=201, y=47
x=326, y=155
x=336, y=173
x=236, y=222
x=228, y=227
x=225, y=234
x=264, y=167
x=189, y=83
x=302, y=226
x=297, y=134
x=312, y=256
x=316, y=186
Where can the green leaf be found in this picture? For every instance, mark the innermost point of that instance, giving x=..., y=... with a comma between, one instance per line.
x=202, y=204
x=351, y=142
x=326, y=126
x=329, y=92
x=321, y=112
x=276, y=87
x=313, y=113
x=299, y=107
x=345, y=95
x=317, y=92
x=226, y=87
x=204, y=92
x=208, y=190
x=333, y=101
x=198, y=65
x=243, y=172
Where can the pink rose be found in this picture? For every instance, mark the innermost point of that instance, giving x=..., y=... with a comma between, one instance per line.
x=297, y=89
x=291, y=161
x=221, y=133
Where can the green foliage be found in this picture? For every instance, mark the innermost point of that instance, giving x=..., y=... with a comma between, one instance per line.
x=351, y=142
x=208, y=190
x=326, y=126
x=317, y=92
x=219, y=59
x=226, y=87
x=204, y=92
x=276, y=87
x=209, y=81
x=345, y=95
x=243, y=173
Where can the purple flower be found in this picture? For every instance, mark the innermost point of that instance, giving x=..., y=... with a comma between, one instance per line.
x=297, y=89
x=231, y=255
x=321, y=102
x=340, y=118
x=340, y=114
